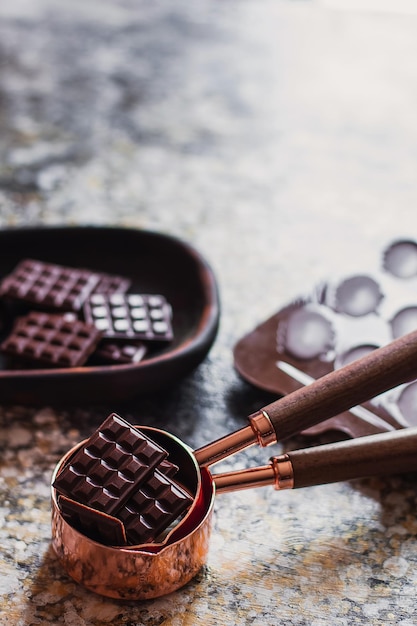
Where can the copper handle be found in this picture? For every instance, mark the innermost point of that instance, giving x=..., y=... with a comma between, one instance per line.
x=338, y=391
x=374, y=455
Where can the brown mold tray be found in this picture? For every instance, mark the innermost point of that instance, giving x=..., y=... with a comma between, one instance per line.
x=155, y=263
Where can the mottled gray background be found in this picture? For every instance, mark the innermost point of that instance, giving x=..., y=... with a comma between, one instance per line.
x=279, y=137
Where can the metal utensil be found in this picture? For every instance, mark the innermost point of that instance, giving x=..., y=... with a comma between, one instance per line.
x=374, y=455
x=338, y=391
x=147, y=571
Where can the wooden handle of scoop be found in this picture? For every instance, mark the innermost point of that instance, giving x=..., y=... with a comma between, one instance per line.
x=385, y=454
x=338, y=391
x=374, y=455
x=361, y=380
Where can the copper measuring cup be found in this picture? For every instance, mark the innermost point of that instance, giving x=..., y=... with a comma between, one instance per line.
x=145, y=571
x=148, y=571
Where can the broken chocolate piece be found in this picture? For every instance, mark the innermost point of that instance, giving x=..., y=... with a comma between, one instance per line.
x=121, y=352
x=51, y=339
x=167, y=468
x=112, y=283
x=130, y=316
x=95, y=524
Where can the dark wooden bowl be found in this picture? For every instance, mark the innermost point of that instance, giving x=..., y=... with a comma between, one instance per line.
x=156, y=263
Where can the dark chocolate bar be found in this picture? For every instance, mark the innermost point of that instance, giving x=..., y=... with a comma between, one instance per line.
x=153, y=508
x=49, y=286
x=123, y=474
x=58, y=287
x=51, y=339
x=107, y=469
x=130, y=316
x=144, y=516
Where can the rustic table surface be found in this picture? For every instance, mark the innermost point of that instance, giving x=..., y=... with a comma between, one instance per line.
x=280, y=139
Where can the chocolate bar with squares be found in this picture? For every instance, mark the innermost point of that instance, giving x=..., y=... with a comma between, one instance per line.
x=111, y=530
x=130, y=316
x=122, y=473
x=52, y=340
x=58, y=287
x=49, y=286
x=110, y=465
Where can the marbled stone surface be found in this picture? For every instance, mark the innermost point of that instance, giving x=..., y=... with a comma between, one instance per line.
x=280, y=139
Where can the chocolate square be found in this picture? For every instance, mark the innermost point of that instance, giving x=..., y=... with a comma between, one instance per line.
x=112, y=283
x=130, y=316
x=122, y=473
x=107, y=469
x=49, y=286
x=52, y=340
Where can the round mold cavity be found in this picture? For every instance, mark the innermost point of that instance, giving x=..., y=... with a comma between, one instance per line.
x=358, y=296
x=357, y=352
x=407, y=403
x=308, y=334
x=403, y=322
x=400, y=259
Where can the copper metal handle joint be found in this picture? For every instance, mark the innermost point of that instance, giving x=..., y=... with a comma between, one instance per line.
x=283, y=471
x=225, y=446
x=278, y=473
x=259, y=430
x=262, y=427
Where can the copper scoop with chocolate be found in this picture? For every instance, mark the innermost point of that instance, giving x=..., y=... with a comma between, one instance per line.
x=118, y=487
x=114, y=474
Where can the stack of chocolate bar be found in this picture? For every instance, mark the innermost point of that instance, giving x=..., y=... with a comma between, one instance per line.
x=118, y=487
x=66, y=317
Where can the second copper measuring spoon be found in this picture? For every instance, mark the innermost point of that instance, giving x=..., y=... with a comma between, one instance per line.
x=373, y=455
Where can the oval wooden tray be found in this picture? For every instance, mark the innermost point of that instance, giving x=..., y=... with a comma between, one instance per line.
x=156, y=263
